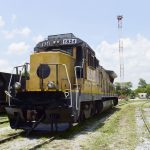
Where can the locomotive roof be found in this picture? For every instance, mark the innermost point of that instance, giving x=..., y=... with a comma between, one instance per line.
x=56, y=41
x=111, y=73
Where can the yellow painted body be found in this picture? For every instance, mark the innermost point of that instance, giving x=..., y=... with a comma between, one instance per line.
x=51, y=58
x=96, y=81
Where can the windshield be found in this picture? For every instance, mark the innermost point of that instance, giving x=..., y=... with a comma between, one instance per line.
x=64, y=49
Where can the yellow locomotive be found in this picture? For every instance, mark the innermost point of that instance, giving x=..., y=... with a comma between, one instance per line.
x=65, y=83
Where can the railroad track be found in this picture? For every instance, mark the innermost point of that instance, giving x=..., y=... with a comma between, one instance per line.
x=38, y=145
x=10, y=137
x=33, y=146
x=143, y=117
x=3, y=117
x=124, y=103
x=5, y=121
x=127, y=102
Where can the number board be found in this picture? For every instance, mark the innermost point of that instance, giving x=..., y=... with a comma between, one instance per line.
x=69, y=41
x=44, y=44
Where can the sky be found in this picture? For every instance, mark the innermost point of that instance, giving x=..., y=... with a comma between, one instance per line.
x=23, y=23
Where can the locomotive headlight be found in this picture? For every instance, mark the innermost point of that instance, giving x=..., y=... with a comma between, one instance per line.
x=17, y=85
x=51, y=85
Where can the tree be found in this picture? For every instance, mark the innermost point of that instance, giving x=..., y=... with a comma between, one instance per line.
x=125, y=91
x=127, y=88
x=133, y=94
x=143, y=87
x=140, y=90
x=118, y=88
x=128, y=85
x=148, y=90
x=142, y=83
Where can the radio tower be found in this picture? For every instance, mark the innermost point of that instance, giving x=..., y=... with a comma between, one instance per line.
x=121, y=59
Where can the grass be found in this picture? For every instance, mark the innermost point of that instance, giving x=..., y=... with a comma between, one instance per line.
x=77, y=129
x=147, y=105
x=126, y=101
x=4, y=125
x=117, y=133
x=82, y=126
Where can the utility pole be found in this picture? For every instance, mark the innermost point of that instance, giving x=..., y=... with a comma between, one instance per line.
x=121, y=57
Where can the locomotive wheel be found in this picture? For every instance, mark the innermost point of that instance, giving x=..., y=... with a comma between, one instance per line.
x=87, y=111
x=2, y=109
x=115, y=102
x=70, y=124
x=82, y=116
x=93, y=110
x=99, y=107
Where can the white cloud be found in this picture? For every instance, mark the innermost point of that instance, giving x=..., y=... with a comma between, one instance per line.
x=38, y=39
x=4, y=66
x=136, y=58
x=23, y=32
x=18, y=48
x=2, y=22
x=13, y=18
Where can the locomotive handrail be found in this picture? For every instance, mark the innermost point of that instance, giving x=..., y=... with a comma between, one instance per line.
x=77, y=85
x=69, y=83
x=8, y=93
x=21, y=74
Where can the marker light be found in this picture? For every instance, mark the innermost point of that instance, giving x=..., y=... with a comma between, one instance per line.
x=17, y=85
x=51, y=85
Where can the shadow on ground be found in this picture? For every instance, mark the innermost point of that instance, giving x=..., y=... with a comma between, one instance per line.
x=89, y=125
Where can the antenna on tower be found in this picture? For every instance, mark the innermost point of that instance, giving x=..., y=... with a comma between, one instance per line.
x=121, y=58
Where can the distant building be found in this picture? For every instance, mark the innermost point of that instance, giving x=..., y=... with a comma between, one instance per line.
x=142, y=95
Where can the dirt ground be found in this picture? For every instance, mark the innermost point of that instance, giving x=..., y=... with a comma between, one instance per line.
x=121, y=129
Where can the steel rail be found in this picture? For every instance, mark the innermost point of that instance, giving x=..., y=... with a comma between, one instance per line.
x=5, y=121
x=143, y=117
x=42, y=143
x=10, y=137
x=128, y=102
x=123, y=104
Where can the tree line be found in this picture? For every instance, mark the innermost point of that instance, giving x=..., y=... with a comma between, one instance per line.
x=125, y=90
